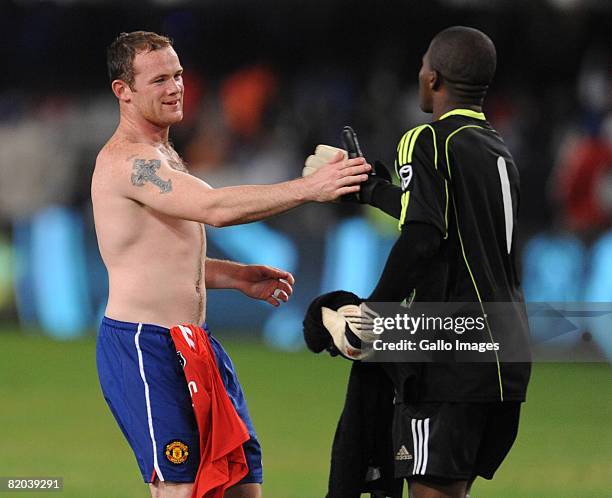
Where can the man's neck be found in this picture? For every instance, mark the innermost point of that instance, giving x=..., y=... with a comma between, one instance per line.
x=139, y=129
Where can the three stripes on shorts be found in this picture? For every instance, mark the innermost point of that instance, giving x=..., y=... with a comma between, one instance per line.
x=420, y=438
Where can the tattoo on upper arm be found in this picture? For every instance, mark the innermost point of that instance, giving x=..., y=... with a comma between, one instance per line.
x=145, y=171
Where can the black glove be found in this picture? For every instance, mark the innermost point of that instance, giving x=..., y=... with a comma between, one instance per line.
x=316, y=336
x=379, y=174
x=341, y=323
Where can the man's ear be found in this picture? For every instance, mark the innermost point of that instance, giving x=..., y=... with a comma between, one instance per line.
x=122, y=90
x=435, y=80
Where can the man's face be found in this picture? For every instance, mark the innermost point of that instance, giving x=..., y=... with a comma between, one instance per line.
x=157, y=91
x=425, y=85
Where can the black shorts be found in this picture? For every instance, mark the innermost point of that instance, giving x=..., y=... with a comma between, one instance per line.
x=453, y=441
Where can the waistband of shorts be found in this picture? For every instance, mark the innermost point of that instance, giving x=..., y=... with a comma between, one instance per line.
x=146, y=327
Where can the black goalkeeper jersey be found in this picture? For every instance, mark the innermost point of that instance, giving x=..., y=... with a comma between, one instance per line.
x=458, y=175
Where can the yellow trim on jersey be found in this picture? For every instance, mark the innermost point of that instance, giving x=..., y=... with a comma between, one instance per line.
x=501, y=389
x=405, y=157
x=413, y=143
x=446, y=210
x=405, y=202
x=465, y=112
x=405, y=150
x=400, y=149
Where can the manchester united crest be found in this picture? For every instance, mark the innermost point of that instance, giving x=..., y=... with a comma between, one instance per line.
x=177, y=452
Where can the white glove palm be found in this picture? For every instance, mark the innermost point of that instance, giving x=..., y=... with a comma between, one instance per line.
x=359, y=320
x=323, y=154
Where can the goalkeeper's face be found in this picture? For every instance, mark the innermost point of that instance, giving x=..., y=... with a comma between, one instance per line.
x=427, y=78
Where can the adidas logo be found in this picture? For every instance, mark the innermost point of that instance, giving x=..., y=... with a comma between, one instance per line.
x=403, y=454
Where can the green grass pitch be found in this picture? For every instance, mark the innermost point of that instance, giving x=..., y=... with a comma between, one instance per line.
x=54, y=422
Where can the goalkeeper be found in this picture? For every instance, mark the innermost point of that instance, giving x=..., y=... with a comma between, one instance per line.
x=457, y=209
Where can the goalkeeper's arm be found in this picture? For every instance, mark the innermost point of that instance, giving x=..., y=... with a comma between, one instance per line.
x=407, y=263
x=385, y=196
x=342, y=323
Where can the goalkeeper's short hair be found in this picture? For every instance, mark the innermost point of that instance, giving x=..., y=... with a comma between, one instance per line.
x=466, y=60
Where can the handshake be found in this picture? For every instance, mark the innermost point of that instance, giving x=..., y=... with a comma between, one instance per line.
x=326, y=153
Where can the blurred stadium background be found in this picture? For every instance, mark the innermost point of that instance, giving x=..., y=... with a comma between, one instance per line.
x=265, y=82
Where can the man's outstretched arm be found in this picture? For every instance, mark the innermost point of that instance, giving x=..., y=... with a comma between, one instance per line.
x=146, y=177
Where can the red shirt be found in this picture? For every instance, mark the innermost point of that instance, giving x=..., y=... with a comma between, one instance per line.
x=222, y=431
x=586, y=166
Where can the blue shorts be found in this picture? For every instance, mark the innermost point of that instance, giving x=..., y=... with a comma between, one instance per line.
x=145, y=388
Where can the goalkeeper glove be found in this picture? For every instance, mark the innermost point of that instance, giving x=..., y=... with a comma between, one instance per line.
x=379, y=173
x=324, y=153
x=341, y=323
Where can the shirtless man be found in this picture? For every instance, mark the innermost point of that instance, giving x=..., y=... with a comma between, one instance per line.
x=150, y=215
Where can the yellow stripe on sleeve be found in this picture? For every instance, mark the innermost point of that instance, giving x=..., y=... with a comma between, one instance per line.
x=400, y=148
x=405, y=152
x=405, y=202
